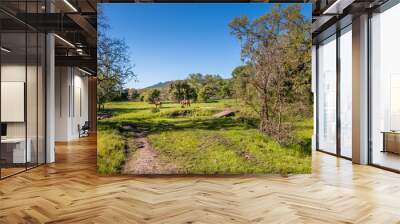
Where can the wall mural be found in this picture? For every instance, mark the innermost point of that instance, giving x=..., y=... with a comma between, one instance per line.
x=204, y=89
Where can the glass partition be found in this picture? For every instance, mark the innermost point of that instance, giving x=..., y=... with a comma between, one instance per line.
x=385, y=89
x=14, y=153
x=346, y=92
x=22, y=77
x=327, y=95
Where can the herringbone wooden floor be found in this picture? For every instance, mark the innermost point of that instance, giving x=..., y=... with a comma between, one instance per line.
x=69, y=191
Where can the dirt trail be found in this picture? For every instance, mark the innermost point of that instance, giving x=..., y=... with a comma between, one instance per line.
x=146, y=160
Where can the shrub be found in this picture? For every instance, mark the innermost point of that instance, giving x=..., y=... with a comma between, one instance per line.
x=179, y=113
x=207, y=93
x=155, y=110
x=153, y=96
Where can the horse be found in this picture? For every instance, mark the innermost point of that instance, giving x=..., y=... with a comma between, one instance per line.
x=185, y=103
x=158, y=103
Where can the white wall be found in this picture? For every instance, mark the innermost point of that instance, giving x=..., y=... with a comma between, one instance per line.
x=14, y=72
x=17, y=73
x=62, y=82
x=80, y=109
x=33, y=126
x=71, y=102
x=13, y=101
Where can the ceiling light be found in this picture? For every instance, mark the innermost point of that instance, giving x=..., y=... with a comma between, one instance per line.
x=5, y=50
x=79, y=51
x=70, y=5
x=337, y=7
x=330, y=8
x=64, y=40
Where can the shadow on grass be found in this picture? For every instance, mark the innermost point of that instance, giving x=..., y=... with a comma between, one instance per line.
x=118, y=111
x=303, y=146
x=157, y=126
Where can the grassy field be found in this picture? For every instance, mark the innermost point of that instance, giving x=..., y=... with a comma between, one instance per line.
x=197, y=143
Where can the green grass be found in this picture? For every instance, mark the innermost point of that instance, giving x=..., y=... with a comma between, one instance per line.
x=110, y=152
x=200, y=144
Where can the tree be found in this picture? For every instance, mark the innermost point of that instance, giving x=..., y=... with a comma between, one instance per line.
x=133, y=94
x=181, y=90
x=212, y=79
x=276, y=48
x=208, y=92
x=121, y=95
x=216, y=85
x=196, y=80
x=114, y=67
x=105, y=93
x=242, y=88
x=226, y=89
x=153, y=95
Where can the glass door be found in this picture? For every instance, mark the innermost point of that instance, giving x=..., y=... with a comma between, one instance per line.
x=22, y=100
x=327, y=95
x=14, y=153
x=346, y=92
x=385, y=89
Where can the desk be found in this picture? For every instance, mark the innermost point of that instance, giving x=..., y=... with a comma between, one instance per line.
x=391, y=141
x=13, y=150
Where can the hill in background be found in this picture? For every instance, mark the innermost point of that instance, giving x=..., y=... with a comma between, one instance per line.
x=159, y=85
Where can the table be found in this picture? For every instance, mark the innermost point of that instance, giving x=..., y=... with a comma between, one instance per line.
x=13, y=150
x=391, y=141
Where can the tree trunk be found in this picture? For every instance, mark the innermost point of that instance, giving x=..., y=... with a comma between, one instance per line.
x=264, y=114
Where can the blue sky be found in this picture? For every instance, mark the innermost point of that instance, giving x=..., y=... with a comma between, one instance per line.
x=170, y=41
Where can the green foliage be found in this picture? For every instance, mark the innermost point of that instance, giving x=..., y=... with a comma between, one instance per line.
x=275, y=82
x=155, y=110
x=208, y=92
x=192, y=112
x=180, y=90
x=270, y=133
x=106, y=92
x=241, y=82
x=110, y=151
x=227, y=91
x=229, y=152
x=133, y=94
x=211, y=87
x=120, y=95
x=200, y=144
x=153, y=95
x=196, y=80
